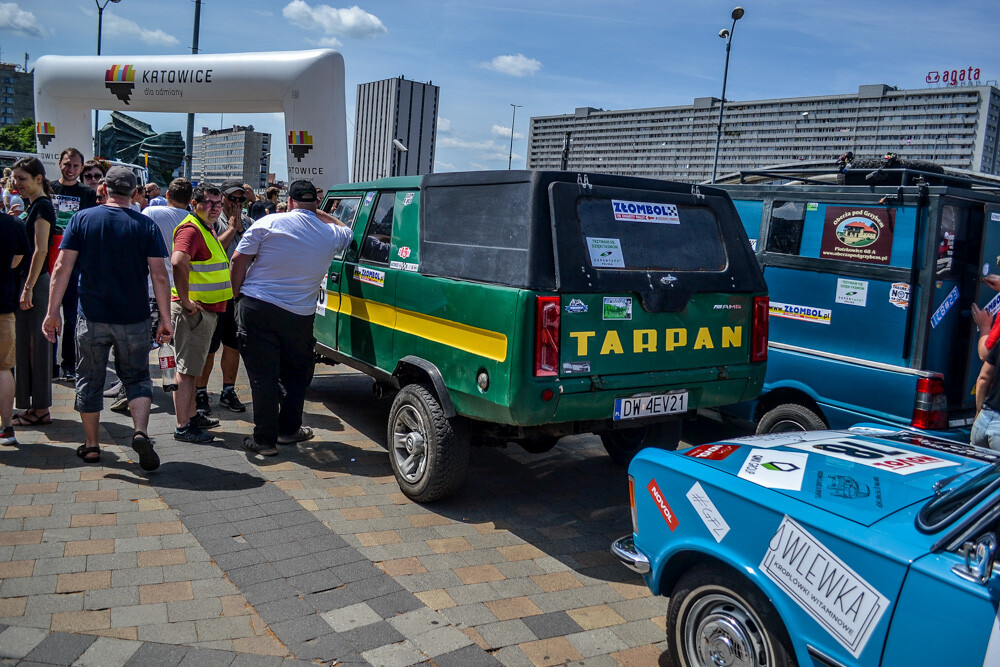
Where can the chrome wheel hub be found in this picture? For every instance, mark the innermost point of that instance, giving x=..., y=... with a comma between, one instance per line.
x=409, y=444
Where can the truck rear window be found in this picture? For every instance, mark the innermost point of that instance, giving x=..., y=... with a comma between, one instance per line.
x=650, y=236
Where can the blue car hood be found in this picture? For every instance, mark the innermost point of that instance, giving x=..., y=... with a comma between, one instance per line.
x=859, y=474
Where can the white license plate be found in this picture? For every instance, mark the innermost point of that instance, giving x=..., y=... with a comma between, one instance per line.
x=650, y=406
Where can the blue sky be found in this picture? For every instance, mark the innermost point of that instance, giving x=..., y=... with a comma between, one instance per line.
x=550, y=56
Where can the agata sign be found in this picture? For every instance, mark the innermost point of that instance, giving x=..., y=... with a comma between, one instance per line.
x=954, y=77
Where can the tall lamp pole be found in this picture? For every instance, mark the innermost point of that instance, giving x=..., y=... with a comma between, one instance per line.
x=100, y=29
x=728, y=36
x=189, y=141
x=513, y=114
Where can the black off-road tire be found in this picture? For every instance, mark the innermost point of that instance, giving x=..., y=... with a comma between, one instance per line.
x=622, y=444
x=789, y=417
x=444, y=467
x=705, y=595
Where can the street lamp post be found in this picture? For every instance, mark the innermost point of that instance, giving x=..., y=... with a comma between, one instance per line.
x=728, y=36
x=100, y=28
x=513, y=114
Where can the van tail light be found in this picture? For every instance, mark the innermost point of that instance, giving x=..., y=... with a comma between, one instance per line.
x=930, y=406
x=631, y=504
x=547, y=336
x=758, y=329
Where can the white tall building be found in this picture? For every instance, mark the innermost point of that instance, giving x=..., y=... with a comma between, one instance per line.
x=237, y=152
x=394, y=109
x=955, y=126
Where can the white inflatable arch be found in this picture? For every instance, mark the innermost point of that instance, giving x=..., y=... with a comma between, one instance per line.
x=308, y=86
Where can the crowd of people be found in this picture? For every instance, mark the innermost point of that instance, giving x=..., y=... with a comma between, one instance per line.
x=96, y=263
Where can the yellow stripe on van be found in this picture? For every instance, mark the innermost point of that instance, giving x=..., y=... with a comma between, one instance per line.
x=481, y=342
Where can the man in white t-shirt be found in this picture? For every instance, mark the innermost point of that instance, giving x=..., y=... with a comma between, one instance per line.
x=275, y=307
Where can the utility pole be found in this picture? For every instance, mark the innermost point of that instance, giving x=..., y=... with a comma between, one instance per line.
x=513, y=114
x=189, y=147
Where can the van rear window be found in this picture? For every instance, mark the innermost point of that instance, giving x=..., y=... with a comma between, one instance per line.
x=650, y=236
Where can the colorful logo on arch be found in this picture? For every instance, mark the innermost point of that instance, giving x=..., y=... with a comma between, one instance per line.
x=299, y=143
x=45, y=133
x=120, y=80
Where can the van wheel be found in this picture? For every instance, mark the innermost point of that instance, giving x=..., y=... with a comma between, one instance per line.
x=789, y=417
x=715, y=618
x=429, y=453
x=622, y=444
x=538, y=444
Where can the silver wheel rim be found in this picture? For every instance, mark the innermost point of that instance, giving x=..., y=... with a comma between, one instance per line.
x=720, y=631
x=409, y=444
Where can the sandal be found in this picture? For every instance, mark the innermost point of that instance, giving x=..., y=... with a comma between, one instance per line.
x=28, y=418
x=89, y=453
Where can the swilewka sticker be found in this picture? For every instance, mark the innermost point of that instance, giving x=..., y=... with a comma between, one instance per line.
x=826, y=588
x=894, y=459
x=662, y=505
x=370, y=276
x=708, y=512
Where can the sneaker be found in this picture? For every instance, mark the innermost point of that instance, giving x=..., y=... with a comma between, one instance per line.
x=143, y=446
x=7, y=438
x=121, y=403
x=113, y=390
x=304, y=433
x=229, y=399
x=201, y=402
x=68, y=375
x=201, y=421
x=255, y=447
x=192, y=433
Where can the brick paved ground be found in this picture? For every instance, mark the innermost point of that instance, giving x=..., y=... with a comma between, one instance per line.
x=314, y=555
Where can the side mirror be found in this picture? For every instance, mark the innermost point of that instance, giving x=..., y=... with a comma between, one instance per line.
x=979, y=559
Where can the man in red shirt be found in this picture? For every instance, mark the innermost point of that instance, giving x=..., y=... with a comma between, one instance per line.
x=201, y=289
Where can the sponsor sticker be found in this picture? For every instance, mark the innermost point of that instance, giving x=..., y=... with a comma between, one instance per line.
x=370, y=276
x=994, y=217
x=994, y=305
x=945, y=306
x=571, y=367
x=321, y=300
x=636, y=211
x=875, y=455
x=576, y=306
x=775, y=469
x=605, y=253
x=824, y=586
x=404, y=266
x=708, y=512
x=899, y=295
x=858, y=234
x=812, y=206
x=859, y=490
x=802, y=313
x=404, y=252
x=711, y=452
x=662, y=505
x=618, y=308
x=368, y=198
x=407, y=198
x=753, y=244
x=852, y=292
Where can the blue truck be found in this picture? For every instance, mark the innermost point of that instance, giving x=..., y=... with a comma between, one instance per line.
x=871, y=278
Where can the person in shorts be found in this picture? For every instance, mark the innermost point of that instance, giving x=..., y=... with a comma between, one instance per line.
x=116, y=249
x=198, y=297
x=13, y=248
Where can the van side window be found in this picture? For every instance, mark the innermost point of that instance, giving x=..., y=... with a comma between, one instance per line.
x=785, y=235
x=375, y=246
x=345, y=210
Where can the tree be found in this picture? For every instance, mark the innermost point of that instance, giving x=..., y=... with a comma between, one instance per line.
x=20, y=137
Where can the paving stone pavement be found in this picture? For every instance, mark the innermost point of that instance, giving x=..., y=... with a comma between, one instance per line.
x=314, y=556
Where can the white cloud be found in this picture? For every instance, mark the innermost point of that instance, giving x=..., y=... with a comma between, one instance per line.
x=15, y=19
x=519, y=65
x=501, y=131
x=329, y=41
x=444, y=166
x=444, y=125
x=454, y=142
x=124, y=27
x=353, y=22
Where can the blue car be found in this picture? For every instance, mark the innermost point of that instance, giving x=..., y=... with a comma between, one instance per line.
x=855, y=547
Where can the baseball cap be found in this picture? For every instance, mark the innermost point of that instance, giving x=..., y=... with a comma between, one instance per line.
x=231, y=185
x=120, y=181
x=303, y=191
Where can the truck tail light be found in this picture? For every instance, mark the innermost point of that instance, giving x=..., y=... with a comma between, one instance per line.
x=631, y=504
x=547, y=336
x=930, y=406
x=758, y=329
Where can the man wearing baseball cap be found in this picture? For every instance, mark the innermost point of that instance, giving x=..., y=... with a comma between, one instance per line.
x=275, y=307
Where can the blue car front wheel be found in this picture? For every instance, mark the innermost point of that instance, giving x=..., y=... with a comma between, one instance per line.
x=718, y=619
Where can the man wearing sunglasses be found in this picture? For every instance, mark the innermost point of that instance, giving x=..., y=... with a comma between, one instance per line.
x=230, y=226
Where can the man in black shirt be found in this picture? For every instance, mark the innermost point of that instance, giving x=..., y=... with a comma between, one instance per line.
x=13, y=248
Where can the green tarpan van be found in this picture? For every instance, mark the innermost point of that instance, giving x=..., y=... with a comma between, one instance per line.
x=528, y=305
